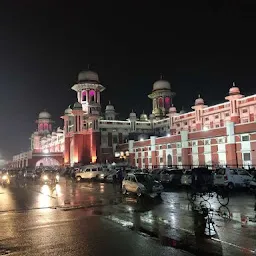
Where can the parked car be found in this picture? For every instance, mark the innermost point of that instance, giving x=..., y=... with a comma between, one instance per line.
x=252, y=185
x=186, y=178
x=141, y=184
x=94, y=171
x=171, y=176
x=232, y=178
x=110, y=177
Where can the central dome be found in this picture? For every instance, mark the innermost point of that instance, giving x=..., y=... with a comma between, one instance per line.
x=89, y=76
x=161, y=85
x=44, y=115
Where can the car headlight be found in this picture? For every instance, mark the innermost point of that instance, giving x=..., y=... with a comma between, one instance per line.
x=45, y=177
x=5, y=177
x=102, y=175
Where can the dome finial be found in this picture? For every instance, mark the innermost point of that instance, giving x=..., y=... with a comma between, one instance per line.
x=109, y=102
x=199, y=95
x=88, y=66
x=161, y=76
x=234, y=85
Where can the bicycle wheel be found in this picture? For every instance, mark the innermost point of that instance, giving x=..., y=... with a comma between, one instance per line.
x=191, y=195
x=205, y=204
x=224, y=212
x=223, y=198
x=206, y=196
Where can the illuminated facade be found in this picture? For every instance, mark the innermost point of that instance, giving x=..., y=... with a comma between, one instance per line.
x=215, y=135
x=223, y=134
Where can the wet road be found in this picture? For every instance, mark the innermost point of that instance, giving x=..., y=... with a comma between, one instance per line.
x=95, y=219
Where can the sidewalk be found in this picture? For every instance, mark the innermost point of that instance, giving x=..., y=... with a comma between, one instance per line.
x=179, y=228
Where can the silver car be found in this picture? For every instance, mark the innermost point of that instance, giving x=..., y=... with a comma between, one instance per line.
x=141, y=184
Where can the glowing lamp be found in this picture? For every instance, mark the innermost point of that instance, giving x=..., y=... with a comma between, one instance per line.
x=205, y=128
x=45, y=151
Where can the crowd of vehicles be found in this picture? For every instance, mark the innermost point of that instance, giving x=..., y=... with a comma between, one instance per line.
x=230, y=178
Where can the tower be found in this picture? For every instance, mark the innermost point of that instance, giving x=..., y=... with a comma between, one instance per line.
x=44, y=123
x=198, y=107
x=88, y=90
x=234, y=95
x=161, y=98
x=110, y=113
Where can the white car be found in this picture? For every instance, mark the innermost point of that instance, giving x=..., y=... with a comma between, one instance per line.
x=232, y=178
x=141, y=183
x=94, y=171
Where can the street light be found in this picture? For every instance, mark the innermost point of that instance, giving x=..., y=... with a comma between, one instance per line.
x=141, y=139
x=168, y=134
x=45, y=151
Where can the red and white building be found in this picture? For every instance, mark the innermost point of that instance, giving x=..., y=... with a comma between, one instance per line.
x=223, y=134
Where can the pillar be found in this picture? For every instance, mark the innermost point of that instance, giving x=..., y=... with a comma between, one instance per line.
x=153, y=150
x=231, y=152
x=131, y=153
x=186, y=161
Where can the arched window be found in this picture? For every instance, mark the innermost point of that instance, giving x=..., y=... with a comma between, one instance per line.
x=92, y=95
x=160, y=102
x=167, y=102
x=84, y=96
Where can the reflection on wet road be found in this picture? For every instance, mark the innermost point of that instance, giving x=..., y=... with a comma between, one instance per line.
x=172, y=221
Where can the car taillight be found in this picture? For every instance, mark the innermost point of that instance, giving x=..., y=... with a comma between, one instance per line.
x=225, y=177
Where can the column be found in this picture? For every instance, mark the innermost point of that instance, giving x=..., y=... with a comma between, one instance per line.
x=131, y=153
x=98, y=97
x=231, y=152
x=186, y=161
x=87, y=96
x=153, y=150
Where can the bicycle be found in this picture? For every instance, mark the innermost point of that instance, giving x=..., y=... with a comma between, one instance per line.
x=206, y=192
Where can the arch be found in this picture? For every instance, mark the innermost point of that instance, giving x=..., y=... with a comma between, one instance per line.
x=84, y=98
x=160, y=102
x=169, y=160
x=48, y=161
x=92, y=95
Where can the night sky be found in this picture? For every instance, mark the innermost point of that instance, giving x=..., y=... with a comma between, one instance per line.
x=200, y=48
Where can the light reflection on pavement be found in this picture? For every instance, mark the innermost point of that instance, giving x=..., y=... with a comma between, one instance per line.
x=173, y=216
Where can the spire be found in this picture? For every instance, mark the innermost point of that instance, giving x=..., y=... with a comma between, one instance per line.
x=199, y=96
x=143, y=112
x=88, y=66
x=234, y=85
x=161, y=76
x=109, y=102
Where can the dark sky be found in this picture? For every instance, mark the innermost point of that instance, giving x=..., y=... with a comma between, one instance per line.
x=200, y=47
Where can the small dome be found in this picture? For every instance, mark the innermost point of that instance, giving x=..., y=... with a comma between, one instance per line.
x=234, y=90
x=151, y=116
x=158, y=111
x=94, y=104
x=161, y=85
x=88, y=76
x=110, y=107
x=199, y=101
x=133, y=115
x=77, y=106
x=68, y=111
x=143, y=117
x=44, y=115
x=172, y=109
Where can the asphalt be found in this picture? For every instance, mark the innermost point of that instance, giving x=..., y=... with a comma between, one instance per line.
x=95, y=218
